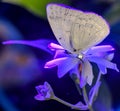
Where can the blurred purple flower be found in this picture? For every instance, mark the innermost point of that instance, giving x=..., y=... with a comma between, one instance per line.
x=80, y=64
x=41, y=44
x=45, y=92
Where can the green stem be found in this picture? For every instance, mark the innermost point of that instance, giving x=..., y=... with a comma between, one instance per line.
x=76, y=81
x=70, y=105
x=86, y=99
x=78, y=88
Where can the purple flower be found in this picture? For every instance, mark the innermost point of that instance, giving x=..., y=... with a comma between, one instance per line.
x=45, y=92
x=80, y=64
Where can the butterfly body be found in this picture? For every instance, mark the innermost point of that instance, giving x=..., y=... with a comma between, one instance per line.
x=76, y=30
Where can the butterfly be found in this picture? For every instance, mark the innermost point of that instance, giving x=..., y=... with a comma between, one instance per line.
x=76, y=30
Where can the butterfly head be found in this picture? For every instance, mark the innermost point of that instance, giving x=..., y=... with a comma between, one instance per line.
x=76, y=55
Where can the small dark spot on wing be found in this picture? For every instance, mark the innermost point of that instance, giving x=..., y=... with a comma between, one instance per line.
x=51, y=17
x=60, y=38
x=74, y=50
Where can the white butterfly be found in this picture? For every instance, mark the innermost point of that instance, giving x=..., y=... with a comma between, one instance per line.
x=75, y=30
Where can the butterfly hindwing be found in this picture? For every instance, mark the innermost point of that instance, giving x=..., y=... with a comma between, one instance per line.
x=88, y=30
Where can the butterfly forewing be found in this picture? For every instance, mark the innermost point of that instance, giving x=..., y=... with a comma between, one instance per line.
x=76, y=31
x=61, y=20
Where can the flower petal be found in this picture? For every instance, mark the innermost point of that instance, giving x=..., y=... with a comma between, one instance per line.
x=40, y=97
x=41, y=44
x=66, y=66
x=104, y=62
x=54, y=47
x=87, y=74
x=110, y=56
x=60, y=53
x=102, y=69
x=55, y=62
x=102, y=48
x=50, y=92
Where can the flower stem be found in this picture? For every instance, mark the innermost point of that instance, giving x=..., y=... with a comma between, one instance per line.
x=78, y=88
x=76, y=81
x=62, y=101
x=86, y=99
x=70, y=105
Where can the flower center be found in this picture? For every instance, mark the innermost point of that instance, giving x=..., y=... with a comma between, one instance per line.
x=43, y=92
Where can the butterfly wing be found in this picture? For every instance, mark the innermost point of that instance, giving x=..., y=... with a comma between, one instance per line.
x=76, y=31
x=61, y=20
x=89, y=29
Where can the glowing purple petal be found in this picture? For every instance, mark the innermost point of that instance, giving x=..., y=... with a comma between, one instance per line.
x=86, y=74
x=55, y=47
x=40, y=97
x=66, y=66
x=104, y=62
x=60, y=53
x=103, y=48
x=41, y=44
x=110, y=56
x=106, y=55
x=102, y=68
x=55, y=62
x=100, y=49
